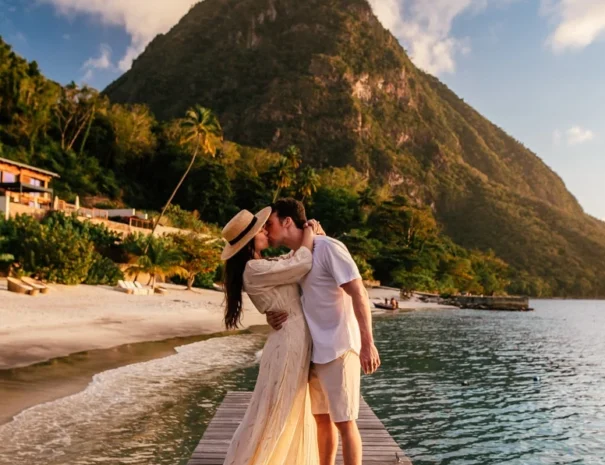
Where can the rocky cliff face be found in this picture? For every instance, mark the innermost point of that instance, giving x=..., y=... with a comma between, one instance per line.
x=326, y=76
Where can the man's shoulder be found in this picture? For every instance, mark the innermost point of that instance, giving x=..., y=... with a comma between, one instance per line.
x=328, y=245
x=326, y=242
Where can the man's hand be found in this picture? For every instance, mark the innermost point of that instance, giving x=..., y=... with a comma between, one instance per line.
x=370, y=360
x=276, y=319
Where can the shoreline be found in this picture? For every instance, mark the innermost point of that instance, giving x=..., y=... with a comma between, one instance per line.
x=51, y=346
x=25, y=387
x=73, y=319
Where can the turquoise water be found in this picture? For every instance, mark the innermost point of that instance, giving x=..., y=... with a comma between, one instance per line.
x=456, y=387
x=485, y=388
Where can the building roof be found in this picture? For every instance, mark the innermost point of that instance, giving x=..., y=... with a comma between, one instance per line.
x=29, y=167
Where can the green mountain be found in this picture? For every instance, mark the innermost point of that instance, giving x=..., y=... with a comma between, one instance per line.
x=426, y=192
x=326, y=76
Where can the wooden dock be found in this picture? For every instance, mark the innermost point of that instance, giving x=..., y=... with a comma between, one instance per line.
x=378, y=446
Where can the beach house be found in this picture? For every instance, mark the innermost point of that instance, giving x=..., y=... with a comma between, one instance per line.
x=24, y=188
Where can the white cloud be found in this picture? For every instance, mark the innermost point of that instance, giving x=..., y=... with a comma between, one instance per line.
x=103, y=61
x=425, y=28
x=87, y=78
x=556, y=137
x=141, y=19
x=578, y=135
x=578, y=22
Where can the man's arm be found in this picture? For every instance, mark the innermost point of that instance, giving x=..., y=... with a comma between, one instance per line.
x=369, y=357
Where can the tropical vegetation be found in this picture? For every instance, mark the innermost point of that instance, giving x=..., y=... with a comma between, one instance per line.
x=425, y=192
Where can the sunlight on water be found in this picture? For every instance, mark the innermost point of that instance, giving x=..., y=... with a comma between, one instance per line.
x=146, y=413
x=486, y=388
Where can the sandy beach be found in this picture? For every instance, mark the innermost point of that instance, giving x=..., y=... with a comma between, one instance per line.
x=106, y=329
x=72, y=319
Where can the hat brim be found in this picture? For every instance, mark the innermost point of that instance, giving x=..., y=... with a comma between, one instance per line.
x=262, y=217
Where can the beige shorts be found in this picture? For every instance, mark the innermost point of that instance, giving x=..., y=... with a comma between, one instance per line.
x=334, y=387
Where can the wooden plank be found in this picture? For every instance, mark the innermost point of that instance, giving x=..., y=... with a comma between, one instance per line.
x=379, y=448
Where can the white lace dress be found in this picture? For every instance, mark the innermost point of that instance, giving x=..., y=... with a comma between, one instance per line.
x=278, y=428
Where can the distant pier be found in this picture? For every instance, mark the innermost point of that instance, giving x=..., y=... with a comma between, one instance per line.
x=379, y=448
x=506, y=303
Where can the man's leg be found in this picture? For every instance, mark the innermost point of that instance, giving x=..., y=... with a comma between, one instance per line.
x=351, y=442
x=327, y=439
x=336, y=388
x=327, y=434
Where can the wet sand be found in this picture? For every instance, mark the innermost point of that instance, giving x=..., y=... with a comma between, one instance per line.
x=25, y=387
x=71, y=319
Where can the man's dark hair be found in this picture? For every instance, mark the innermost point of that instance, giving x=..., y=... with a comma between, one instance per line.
x=291, y=208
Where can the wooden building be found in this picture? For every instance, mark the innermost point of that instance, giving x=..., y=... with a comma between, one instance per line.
x=26, y=185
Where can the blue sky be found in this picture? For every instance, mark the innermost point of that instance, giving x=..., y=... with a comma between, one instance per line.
x=536, y=68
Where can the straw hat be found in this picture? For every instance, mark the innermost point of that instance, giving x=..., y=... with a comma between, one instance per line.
x=241, y=229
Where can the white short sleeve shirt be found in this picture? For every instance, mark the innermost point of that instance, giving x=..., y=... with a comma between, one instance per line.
x=328, y=309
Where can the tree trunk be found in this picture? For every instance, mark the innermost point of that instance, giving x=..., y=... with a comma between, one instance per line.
x=87, y=133
x=190, y=281
x=157, y=222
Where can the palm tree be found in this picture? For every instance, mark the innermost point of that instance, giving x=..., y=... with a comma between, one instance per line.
x=159, y=261
x=201, y=130
x=292, y=153
x=368, y=198
x=308, y=182
x=282, y=175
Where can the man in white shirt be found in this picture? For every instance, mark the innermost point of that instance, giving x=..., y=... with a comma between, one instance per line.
x=337, y=311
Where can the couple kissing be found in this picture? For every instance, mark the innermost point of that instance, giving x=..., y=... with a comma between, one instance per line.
x=308, y=386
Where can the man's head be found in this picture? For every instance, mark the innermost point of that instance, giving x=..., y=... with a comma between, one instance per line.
x=286, y=222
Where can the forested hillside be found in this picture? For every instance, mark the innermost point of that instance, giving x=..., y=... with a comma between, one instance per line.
x=324, y=75
x=404, y=186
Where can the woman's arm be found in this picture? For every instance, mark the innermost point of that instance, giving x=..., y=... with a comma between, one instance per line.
x=308, y=237
x=261, y=274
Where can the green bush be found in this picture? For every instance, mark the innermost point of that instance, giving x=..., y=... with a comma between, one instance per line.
x=104, y=271
x=60, y=255
x=54, y=251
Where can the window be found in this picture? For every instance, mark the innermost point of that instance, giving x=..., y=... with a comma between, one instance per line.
x=9, y=177
x=36, y=182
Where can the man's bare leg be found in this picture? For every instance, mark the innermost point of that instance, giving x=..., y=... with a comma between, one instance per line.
x=327, y=439
x=351, y=442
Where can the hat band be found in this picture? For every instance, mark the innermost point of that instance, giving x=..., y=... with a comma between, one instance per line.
x=244, y=232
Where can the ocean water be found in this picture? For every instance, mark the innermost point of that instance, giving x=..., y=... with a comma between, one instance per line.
x=484, y=388
x=456, y=387
x=145, y=413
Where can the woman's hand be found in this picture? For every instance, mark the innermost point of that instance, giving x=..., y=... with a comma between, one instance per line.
x=316, y=226
x=309, y=230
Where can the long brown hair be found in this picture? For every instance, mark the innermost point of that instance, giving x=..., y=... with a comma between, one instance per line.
x=233, y=283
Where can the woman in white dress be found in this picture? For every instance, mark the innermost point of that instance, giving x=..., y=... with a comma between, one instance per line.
x=278, y=428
